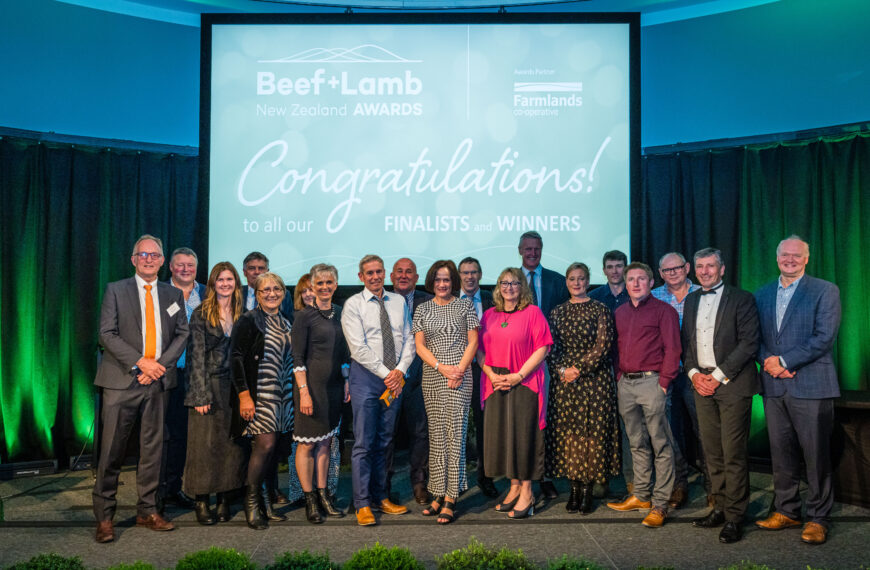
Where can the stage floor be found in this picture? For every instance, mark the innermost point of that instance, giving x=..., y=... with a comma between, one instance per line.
x=57, y=518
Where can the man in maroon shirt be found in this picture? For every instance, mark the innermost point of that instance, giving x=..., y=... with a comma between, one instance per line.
x=648, y=333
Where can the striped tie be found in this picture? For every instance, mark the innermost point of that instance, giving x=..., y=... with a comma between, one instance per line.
x=387, y=336
x=150, y=327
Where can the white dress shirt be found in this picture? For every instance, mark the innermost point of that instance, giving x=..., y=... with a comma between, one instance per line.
x=140, y=285
x=538, y=273
x=361, y=323
x=705, y=328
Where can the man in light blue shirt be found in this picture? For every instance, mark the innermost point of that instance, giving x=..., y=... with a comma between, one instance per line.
x=377, y=328
x=674, y=271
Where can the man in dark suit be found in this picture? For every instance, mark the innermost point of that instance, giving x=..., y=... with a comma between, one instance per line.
x=800, y=317
x=254, y=265
x=720, y=340
x=548, y=287
x=143, y=330
x=412, y=415
x=470, y=274
x=548, y=290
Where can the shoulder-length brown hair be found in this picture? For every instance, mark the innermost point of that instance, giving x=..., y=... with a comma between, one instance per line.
x=451, y=269
x=210, y=307
x=516, y=274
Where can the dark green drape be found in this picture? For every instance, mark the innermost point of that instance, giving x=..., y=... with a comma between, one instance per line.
x=69, y=218
x=70, y=215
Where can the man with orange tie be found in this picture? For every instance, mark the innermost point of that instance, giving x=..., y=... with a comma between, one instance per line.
x=143, y=331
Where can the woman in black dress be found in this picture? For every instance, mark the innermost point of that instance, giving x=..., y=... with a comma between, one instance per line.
x=262, y=367
x=583, y=440
x=215, y=462
x=322, y=358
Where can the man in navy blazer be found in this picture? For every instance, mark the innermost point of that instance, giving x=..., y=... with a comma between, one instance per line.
x=800, y=317
x=548, y=287
x=143, y=331
x=254, y=265
x=470, y=273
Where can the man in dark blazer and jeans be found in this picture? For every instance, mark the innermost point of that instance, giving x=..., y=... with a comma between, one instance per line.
x=143, y=330
x=720, y=339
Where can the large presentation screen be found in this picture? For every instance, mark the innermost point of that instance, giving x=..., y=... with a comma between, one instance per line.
x=429, y=137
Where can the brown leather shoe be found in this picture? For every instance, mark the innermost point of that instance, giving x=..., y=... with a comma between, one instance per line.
x=390, y=508
x=421, y=495
x=777, y=521
x=630, y=504
x=154, y=522
x=365, y=517
x=105, y=531
x=814, y=533
x=679, y=497
x=655, y=518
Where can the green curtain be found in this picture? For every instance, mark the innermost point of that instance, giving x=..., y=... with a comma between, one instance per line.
x=69, y=218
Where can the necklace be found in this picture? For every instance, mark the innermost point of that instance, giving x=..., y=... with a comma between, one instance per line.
x=326, y=314
x=508, y=316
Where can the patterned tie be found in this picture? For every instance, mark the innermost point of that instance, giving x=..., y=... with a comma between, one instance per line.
x=150, y=327
x=387, y=336
x=532, y=287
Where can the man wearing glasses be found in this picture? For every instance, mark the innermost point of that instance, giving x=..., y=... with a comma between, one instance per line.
x=143, y=331
x=470, y=274
x=674, y=271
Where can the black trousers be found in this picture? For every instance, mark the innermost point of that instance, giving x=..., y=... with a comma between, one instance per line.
x=121, y=409
x=724, y=421
x=477, y=412
x=174, y=438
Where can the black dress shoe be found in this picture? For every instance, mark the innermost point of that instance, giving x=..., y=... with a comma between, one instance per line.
x=421, y=495
x=548, y=490
x=180, y=499
x=487, y=487
x=712, y=520
x=731, y=532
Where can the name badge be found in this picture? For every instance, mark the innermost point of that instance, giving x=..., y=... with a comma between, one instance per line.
x=173, y=308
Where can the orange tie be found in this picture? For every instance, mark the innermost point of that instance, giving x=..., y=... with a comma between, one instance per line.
x=150, y=328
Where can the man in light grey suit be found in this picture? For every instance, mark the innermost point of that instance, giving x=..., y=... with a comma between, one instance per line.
x=143, y=330
x=799, y=317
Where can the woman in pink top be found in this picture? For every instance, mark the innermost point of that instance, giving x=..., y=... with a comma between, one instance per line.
x=514, y=340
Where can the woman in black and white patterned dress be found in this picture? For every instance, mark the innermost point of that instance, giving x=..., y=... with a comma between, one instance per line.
x=262, y=374
x=445, y=332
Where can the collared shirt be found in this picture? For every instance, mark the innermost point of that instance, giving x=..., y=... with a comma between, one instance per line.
x=409, y=301
x=705, y=325
x=251, y=300
x=649, y=338
x=140, y=285
x=361, y=323
x=193, y=301
x=475, y=300
x=538, y=273
x=664, y=294
x=783, y=298
x=606, y=296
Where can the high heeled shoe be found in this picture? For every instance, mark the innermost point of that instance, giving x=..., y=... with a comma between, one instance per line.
x=447, y=518
x=255, y=519
x=222, y=511
x=327, y=503
x=505, y=507
x=525, y=513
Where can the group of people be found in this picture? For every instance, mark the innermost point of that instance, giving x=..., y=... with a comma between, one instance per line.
x=547, y=369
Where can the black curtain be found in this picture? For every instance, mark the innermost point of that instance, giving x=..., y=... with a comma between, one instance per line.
x=70, y=215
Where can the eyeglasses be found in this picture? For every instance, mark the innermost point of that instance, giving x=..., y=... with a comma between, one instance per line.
x=509, y=284
x=671, y=270
x=267, y=290
x=145, y=255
